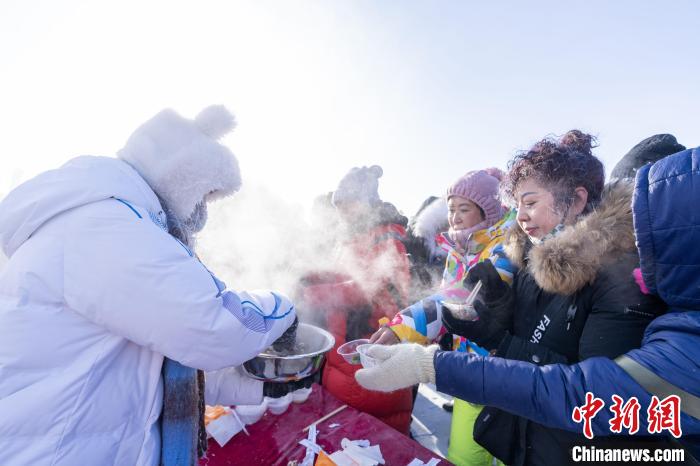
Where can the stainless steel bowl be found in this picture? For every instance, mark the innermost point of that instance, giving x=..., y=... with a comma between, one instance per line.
x=273, y=368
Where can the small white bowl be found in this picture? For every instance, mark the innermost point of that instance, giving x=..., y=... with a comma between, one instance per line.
x=301, y=395
x=279, y=405
x=250, y=414
x=367, y=361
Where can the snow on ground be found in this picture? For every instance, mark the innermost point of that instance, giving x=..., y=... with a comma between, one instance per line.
x=431, y=423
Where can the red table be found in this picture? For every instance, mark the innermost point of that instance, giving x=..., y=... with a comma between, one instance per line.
x=274, y=440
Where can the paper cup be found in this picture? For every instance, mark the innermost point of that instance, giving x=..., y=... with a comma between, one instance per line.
x=279, y=405
x=301, y=395
x=250, y=414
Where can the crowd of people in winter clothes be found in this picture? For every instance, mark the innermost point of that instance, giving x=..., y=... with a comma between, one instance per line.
x=564, y=307
x=553, y=248
x=112, y=327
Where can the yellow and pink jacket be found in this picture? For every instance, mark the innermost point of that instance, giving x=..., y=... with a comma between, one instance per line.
x=422, y=321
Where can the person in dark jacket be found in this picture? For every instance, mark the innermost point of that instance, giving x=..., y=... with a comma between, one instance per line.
x=574, y=296
x=426, y=258
x=648, y=150
x=665, y=213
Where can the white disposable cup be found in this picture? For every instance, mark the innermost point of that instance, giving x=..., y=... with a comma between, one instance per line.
x=250, y=414
x=348, y=350
x=301, y=395
x=366, y=360
x=279, y=405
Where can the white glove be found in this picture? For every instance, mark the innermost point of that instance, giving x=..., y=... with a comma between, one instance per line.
x=276, y=309
x=401, y=366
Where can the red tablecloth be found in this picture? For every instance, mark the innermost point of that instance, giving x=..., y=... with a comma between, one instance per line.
x=274, y=440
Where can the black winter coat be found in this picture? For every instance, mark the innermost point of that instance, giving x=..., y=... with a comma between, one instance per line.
x=575, y=298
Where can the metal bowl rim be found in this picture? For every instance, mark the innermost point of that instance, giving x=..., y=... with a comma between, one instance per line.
x=329, y=337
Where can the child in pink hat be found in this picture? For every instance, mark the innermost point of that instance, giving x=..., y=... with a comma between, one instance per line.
x=473, y=204
x=478, y=223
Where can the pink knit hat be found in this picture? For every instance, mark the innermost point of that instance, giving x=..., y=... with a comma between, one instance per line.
x=482, y=188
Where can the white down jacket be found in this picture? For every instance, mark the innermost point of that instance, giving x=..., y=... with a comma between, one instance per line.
x=94, y=295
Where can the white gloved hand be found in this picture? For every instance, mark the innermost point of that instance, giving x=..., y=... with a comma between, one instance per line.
x=401, y=366
x=277, y=311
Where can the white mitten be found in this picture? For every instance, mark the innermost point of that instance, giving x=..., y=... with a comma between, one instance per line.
x=401, y=366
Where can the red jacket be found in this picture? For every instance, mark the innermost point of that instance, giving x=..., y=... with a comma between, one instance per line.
x=353, y=307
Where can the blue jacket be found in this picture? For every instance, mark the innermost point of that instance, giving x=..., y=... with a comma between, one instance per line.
x=667, y=227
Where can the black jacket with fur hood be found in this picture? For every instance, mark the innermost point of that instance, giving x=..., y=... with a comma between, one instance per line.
x=575, y=298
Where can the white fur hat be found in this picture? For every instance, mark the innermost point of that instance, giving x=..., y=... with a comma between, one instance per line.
x=182, y=160
x=359, y=185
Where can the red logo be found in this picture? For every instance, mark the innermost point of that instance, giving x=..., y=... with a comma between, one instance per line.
x=661, y=415
x=626, y=415
x=665, y=415
x=587, y=412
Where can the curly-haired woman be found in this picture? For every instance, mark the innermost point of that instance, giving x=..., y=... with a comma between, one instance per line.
x=574, y=296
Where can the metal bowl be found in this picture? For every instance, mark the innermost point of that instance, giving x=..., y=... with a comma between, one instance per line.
x=274, y=368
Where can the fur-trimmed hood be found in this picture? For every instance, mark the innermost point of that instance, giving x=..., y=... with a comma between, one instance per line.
x=429, y=221
x=572, y=259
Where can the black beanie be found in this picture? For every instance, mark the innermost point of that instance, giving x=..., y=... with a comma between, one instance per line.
x=650, y=149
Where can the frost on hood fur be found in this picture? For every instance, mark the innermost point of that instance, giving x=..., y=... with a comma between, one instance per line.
x=428, y=222
x=182, y=160
x=569, y=261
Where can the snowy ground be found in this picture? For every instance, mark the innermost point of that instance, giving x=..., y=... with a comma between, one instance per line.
x=431, y=423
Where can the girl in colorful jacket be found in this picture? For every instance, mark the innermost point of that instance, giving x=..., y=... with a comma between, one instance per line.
x=478, y=223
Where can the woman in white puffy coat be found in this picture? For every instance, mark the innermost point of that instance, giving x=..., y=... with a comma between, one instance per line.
x=96, y=293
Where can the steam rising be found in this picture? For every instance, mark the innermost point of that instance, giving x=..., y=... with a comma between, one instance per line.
x=257, y=239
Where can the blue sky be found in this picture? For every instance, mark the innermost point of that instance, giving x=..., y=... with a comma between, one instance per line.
x=428, y=90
